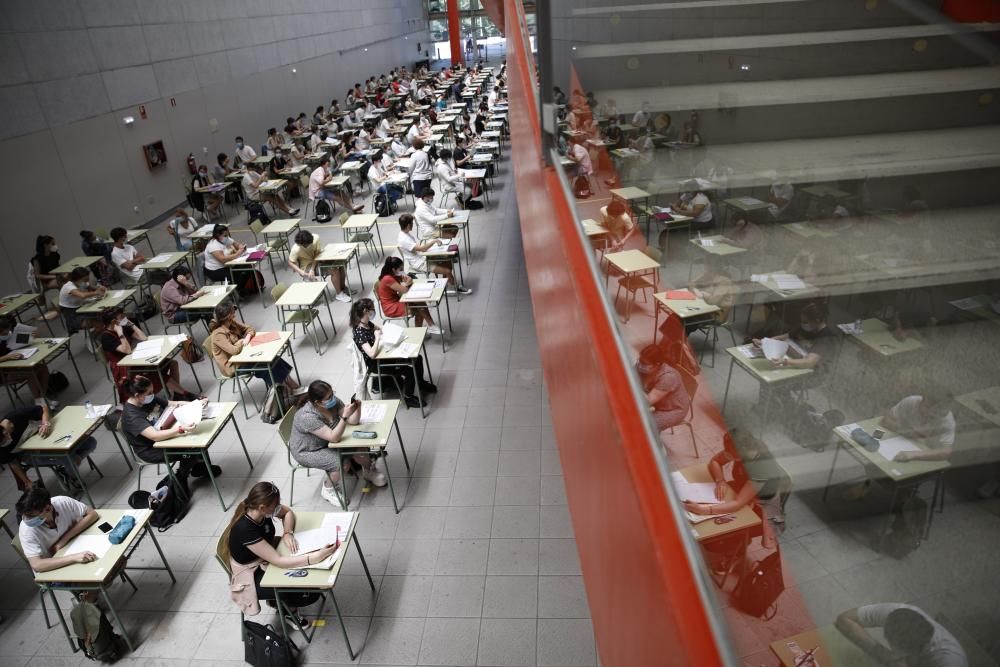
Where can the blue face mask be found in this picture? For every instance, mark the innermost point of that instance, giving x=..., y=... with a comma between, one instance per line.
x=331, y=404
x=34, y=522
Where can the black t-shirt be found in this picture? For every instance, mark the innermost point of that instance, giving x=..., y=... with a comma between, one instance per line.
x=365, y=334
x=137, y=419
x=460, y=154
x=47, y=262
x=19, y=418
x=246, y=532
x=109, y=340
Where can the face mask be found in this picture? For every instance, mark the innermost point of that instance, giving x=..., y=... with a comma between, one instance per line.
x=331, y=403
x=123, y=322
x=146, y=400
x=53, y=248
x=642, y=368
x=239, y=144
x=82, y=285
x=809, y=328
x=399, y=274
x=203, y=173
x=35, y=522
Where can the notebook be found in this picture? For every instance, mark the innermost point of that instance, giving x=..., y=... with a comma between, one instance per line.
x=263, y=338
x=681, y=295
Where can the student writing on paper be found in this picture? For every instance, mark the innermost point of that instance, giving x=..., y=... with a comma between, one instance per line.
x=715, y=287
x=140, y=413
x=229, y=338
x=754, y=478
x=664, y=387
x=368, y=339
x=912, y=637
x=813, y=335
x=48, y=523
x=73, y=294
x=321, y=419
x=616, y=219
x=220, y=249
x=927, y=418
x=118, y=338
x=37, y=376
x=411, y=250
x=393, y=283
x=251, y=543
x=302, y=260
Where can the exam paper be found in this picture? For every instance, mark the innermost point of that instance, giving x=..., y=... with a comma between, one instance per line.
x=751, y=351
x=889, y=447
x=147, y=348
x=96, y=544
x=421, y=291
x=27, y=352
x=404, y=350
x=788, y=281
x=393, y=334
x=189, y=413
x=695, y=492
x=317, y=538
x=372, y=413
x=158, y=259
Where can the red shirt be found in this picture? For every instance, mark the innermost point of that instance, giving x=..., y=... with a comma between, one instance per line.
x=389, y=298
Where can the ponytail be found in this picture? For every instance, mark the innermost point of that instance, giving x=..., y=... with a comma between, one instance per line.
x=260, y=493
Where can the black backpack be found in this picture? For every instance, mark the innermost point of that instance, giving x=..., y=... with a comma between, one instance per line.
x=383, y=205
x=323, y=211
x=263, y=646
x=757, y=591
x=907, y=530
x=581, y=187
x=107, y=646
x=811, y=428
x=58, y=382
x=169, y=509
x=255, y=211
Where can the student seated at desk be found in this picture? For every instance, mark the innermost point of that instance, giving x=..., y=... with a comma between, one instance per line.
x=37, y=377
x=176, y=292
x=244, y=154
x=715, y=287
x=13, y=424
x=253, y=179
x=91, y=246
x=318, y=189
x=45, y=259
x=616, y=219
x=780, y=198
x=124, y=255
x=694, y=203
x=449, y=178
x=252, y=544
x=48, y=523
x=320, y=420
x=140, y=412
x=427, y=216
x=220, y=249
x=221, y=168
x=745, y=233
x=392, y=284
x=928, y=418
x=398, y=148
x=302, y=260
x=229, y=337
x=411, y=250
x=578, y=153
x=813, y=335
x=613, y=134
x=209, y=201
x=368, y=339
x=380, y=180
x=73, y=294
x=757, y=479
x=117, y=337
x=181, y=227
x=913, y=637
x=664, y=387
x=274, y=139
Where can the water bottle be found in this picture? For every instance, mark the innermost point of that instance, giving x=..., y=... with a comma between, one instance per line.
x=89, y=408
x=857, y=327
x=226, y=282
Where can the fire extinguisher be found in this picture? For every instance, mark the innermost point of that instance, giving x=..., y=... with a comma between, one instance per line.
x=192, y=164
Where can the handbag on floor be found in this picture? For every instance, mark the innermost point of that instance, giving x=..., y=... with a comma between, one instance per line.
x=263, y=646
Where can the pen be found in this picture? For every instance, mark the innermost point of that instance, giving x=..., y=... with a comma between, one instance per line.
x=806, y=657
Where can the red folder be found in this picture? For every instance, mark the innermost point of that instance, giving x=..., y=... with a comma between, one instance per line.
x=681, y=295
x=262, y=338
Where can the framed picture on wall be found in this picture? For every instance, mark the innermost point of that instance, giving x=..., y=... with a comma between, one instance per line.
x=155, y=155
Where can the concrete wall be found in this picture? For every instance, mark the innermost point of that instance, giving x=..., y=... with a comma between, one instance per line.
x=205, y=70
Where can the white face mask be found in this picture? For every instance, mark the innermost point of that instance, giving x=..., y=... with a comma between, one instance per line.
x=146, y=400
x=53, y=248
x=809, y=328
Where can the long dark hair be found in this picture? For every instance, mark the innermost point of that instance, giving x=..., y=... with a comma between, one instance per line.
x=138, y=384
x=392, y=263
x=358, y=310
x=261, y=493
x=40, y=244
x=222, y=312
x=317, y=391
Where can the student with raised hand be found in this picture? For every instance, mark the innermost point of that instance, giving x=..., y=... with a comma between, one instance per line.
x=49, y=523
x=140, y=412
x=73, y=294
x=411, y=249
x=251, y=543
x=323, y=418
x=302, y=260
x=393, y=283
x=368, y=339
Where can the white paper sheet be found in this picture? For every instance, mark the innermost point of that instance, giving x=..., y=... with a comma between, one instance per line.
x=211, y=411
x=759, y=278
x=96, y=544
x=101, y=410
x=146, y=349
x=372, y=413
x=403, y=350
x=695, y=492
x=970, y=303
x=189, y=413
x=421, y=291
x=889, y=447
x=697, y=518
x=393, y=334
x=317, y=538
x=788, y=281
x=751, y=351
x=330, y=560
x=27, y=352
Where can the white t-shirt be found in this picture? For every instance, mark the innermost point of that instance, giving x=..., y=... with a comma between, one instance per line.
x=943, y=651
x=247, y=154
x=316, y=180
x=211, y=263
x=67, y=300
x=413, y=259
x=784, y=191
x=420, y=168
x=936, y=432
x=582, y=158
x=427, y=217
x=412, y=133
x=126, y=254
x=700, y=199
x=37, y=542
x=250, y=187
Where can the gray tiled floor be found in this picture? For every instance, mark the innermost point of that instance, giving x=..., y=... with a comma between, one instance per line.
x=480, y=567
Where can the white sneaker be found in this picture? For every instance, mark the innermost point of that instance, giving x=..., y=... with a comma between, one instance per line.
x=434, y=330
x=374, y=475
x=464, y=291
x=53, y=405
x=343, y=297
x=330, y=494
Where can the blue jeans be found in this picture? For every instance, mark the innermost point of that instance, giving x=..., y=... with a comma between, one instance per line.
x=84, y=449
x=394, y=191
x=184, y=316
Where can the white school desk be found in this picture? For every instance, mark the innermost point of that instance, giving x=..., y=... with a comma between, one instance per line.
x=395, y=356
x=305, y=296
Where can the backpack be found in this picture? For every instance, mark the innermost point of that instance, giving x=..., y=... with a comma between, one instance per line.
x=169, y=505
x=907, y=529
x=104, y=645
x=248, y=287
x=473, y=205
x=277, y=396
x=581, y=187
x=322, y=211
x=383, y=205
x=58, y=382
x=811, y=428
x=255, y=211
x=757, y=591
x=263, y=646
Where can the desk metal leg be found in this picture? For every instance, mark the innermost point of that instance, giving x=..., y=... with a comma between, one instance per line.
x=118, y=621
x=364, y=563
x=833, y=467
x=295, y=366
x=399, y=436
x=379, y=233
x=729, y=379
x=388, y=476
x=329, y=312
x=62, y=619
x=163, y=559
x=343, y=628
x=361, y=278
x=72, y=360
x=41, y=314
x=211, y=476
x=242, y=443
x=76, y=473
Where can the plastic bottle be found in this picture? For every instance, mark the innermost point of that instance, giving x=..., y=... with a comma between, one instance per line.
x=89, y=408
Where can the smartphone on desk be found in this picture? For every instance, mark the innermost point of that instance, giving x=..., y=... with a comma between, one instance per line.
x=105, y=527
x=878, y=433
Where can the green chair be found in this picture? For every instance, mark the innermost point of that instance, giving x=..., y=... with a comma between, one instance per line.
x=238, y=381
x=305, y=318
x=285, y=431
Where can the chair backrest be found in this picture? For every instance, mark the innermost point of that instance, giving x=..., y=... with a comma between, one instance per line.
x=222, y=552
x=304, y=180
x=344, y=217
x=690, y=385
x=285, y=425
x=277, y=291
x=256, y=227
x=210, y=351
